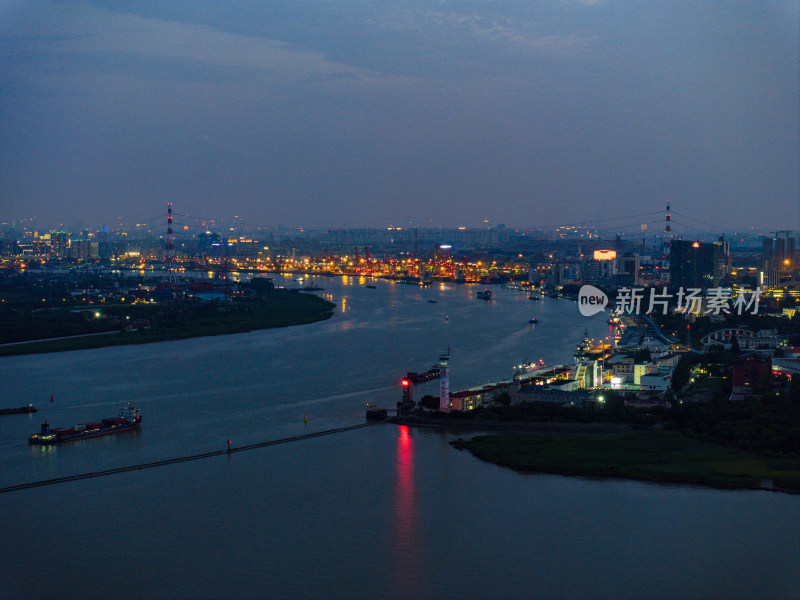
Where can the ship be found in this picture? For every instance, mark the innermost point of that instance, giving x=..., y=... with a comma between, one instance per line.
x=528, y=367
x=485, y=295
x=129, y=418
x=429, y=375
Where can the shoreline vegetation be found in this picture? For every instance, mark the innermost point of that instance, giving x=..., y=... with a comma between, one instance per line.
x=279, y=308
x=748, y=444
x=656, y=456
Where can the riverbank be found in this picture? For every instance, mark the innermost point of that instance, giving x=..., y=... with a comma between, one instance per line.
x=281, y=308
x=529, y=426
x=654, y=456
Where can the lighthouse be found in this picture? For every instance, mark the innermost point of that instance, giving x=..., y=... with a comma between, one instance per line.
x=444, y=380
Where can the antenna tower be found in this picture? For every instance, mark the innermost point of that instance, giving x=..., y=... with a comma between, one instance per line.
x=171, y=275
x=667, y=250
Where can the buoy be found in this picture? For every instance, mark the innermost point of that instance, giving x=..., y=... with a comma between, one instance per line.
x=446, y=318
x=229, y=445
x=305, y=419
x=51, y=397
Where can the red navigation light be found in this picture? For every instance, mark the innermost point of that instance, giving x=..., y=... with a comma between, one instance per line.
x=405, y=382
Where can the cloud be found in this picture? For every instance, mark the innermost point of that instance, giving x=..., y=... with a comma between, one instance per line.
x=80, y=29
x=519, y=32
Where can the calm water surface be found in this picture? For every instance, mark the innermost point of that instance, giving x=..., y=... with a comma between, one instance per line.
x=386, y=511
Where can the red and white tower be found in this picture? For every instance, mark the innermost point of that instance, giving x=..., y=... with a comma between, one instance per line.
x=171, y=275
x=667, y=239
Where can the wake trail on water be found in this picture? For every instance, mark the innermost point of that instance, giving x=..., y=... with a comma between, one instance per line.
x=228, y=390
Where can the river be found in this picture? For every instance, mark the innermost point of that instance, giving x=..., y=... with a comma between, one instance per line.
x=386, y=511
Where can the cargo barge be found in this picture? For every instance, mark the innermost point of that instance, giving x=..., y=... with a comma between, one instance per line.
x=129, y=418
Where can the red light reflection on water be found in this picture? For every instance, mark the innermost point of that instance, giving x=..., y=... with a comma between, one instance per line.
x=404, y=500
x=405, y=511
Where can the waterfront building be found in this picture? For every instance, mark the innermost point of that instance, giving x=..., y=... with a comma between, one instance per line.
x=466, y=399
x=589, y=373
x=658, y=382
x=559, y=394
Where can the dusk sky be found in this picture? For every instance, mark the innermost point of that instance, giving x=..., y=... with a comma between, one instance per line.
x=367, y=114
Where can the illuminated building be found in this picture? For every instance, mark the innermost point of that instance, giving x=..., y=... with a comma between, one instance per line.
x=83, y=250
x=58, y=244
x=605, y=254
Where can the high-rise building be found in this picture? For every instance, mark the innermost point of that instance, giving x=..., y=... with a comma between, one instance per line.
x=58, y=244
x=628, y=270
x=780, y=253
x=695, y=264
x=83, y=250
x=766, y=248
x=103, y=243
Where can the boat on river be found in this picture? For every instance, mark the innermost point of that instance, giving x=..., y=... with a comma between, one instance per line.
x=129, y=418
x=529, y=367
x=429, y=375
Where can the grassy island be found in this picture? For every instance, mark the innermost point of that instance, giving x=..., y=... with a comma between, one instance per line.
x=160, y=322
x=657, y=456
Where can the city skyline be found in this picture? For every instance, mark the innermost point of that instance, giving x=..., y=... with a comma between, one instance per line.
x=412, y=115
x=662, y=225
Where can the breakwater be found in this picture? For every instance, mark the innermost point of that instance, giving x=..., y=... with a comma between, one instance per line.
x=172, y=461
